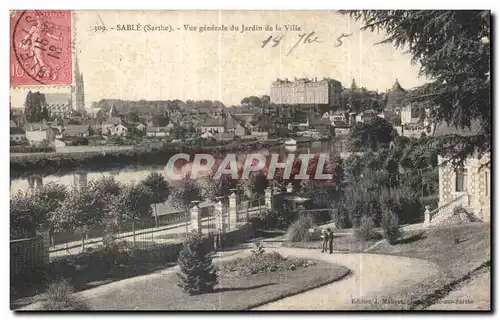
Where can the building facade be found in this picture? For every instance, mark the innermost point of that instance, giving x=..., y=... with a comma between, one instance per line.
x=213, y=126
x=471, y=181
x=306, y=91
x=63, y=103
x=58, y=104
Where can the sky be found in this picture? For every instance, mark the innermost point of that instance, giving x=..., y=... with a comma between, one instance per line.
x=224, y=65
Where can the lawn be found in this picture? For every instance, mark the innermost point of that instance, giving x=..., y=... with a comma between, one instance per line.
x=460, y=251
x=233, y=292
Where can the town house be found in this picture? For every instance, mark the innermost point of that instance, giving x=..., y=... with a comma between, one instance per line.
x=468, y=185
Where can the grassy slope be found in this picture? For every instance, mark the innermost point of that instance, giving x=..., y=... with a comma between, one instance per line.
x=233, y=293
x=457, y=250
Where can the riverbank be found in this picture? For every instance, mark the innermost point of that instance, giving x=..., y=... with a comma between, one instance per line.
x=60, y=163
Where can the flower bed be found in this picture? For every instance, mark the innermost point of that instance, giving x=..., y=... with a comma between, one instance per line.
x=262, y=263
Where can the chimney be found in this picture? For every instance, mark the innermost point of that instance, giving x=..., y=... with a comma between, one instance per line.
x=294, y=78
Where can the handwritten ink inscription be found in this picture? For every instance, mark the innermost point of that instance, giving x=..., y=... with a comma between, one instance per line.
x=339, y=39
x=303, y=39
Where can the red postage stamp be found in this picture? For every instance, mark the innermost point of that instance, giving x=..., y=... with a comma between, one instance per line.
x=40, y=50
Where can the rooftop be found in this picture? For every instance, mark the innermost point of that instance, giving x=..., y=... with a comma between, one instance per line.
x=57, y=98
x=76, y=129
x=213, y=123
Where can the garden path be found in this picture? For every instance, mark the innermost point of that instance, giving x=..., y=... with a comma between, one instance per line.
x=372, y=275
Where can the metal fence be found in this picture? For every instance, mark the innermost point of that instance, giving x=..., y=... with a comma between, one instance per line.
x=29, y=253
x=141, y=234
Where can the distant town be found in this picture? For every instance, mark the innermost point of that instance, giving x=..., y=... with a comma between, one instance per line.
x=303, y=108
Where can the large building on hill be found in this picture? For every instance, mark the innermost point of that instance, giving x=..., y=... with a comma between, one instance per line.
x=306, y=92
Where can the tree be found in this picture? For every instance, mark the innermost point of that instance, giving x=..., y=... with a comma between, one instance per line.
x=45, y=113
x=80, y=211
x=132, y=117
x=184, y=192
x=265, y=100
x=33, y=106
x=245, y=101
x=254, y=101
x=31, y=212
x=371, y=135
x=134, y=204
x=197, y=273
x=255, y=185
x=453, y=49
x=159, y=190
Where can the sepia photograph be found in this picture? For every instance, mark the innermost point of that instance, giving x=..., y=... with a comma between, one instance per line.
x=250, y=160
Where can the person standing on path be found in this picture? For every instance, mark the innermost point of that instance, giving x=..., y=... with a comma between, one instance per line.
x=330, y=239
x=324, y=240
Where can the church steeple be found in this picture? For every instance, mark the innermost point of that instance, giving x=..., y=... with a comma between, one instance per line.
x=78, y=96
x=112, y=111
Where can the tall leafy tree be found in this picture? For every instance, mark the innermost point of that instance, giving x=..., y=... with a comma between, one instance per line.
x=159, y=190
x=184, y=192
x=31, y=212
x=371, y=135
x=80, y=211
x=133, y=204
x=453, y=49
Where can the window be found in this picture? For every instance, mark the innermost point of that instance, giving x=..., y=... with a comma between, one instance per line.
x=461, y=180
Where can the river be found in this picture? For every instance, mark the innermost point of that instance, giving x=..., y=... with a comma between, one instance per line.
x=137, y=173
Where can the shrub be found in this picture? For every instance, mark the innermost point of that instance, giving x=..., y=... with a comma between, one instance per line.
x=59, y=297
x=299, y=230
x=390, y=225
x=197, y=274
x=257, y=223
x=278, y=218
x=366, y=230
x=339, y=213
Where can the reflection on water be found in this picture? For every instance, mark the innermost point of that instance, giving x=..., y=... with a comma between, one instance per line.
x=133, y=175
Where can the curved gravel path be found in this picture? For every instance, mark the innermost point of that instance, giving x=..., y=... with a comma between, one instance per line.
x=372, y=275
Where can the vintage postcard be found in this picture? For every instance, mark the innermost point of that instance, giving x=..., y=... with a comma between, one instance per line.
x=250, y=160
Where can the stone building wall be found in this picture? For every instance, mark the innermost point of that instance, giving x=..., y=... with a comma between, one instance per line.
x=478, y=185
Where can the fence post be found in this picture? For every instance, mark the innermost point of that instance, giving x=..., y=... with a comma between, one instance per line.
x=268, y=199
x=427, y=217
x=46, y=245
x=195, y=219
x=218, y=214
x=232, y=214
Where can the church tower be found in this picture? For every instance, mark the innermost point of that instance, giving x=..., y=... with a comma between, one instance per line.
x=78, y=91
